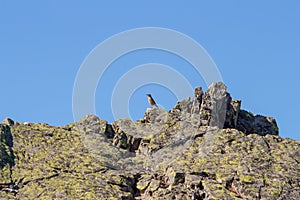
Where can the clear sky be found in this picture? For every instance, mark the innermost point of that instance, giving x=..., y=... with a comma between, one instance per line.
x=255, y=45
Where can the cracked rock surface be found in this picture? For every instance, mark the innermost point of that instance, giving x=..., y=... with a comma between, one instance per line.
x=204, y=148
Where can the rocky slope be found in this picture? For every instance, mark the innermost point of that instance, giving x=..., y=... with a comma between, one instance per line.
x=204, y=148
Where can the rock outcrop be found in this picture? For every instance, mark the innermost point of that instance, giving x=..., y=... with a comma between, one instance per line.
x=204, y=148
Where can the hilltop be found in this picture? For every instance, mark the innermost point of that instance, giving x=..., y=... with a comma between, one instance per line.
x=204, y=148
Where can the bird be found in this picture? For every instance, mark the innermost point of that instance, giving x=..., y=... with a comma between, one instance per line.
x=151, y=100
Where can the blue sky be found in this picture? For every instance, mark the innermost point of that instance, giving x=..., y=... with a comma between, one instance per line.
x=255, y=45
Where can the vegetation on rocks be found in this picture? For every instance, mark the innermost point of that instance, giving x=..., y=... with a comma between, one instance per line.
x=204, y=148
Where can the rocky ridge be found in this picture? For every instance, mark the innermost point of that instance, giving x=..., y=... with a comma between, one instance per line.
x=204, y=148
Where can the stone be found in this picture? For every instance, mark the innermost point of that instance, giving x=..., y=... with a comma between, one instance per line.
x=257, y=124
x=214, y=105
x=8, y=122
x=204, y=148
x=232, y=113
x=174, y=178
x=197, y=100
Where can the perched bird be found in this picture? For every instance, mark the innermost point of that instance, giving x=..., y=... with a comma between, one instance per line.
x=151, y=100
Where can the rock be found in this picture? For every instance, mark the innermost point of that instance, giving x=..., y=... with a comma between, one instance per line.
x=6, y=156
x=257, y=124
x=214, y=105
x=236, y=105
x=204, y=148
x=27, y=123
x=174, y=178
x=197, y=101
x=232, y=113
x=8, y=122
x=217, y=108
x=155, y=115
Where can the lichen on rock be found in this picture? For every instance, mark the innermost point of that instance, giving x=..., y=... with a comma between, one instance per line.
x=206, y=147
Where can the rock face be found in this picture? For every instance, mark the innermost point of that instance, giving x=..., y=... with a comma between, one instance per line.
x=204, y=148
